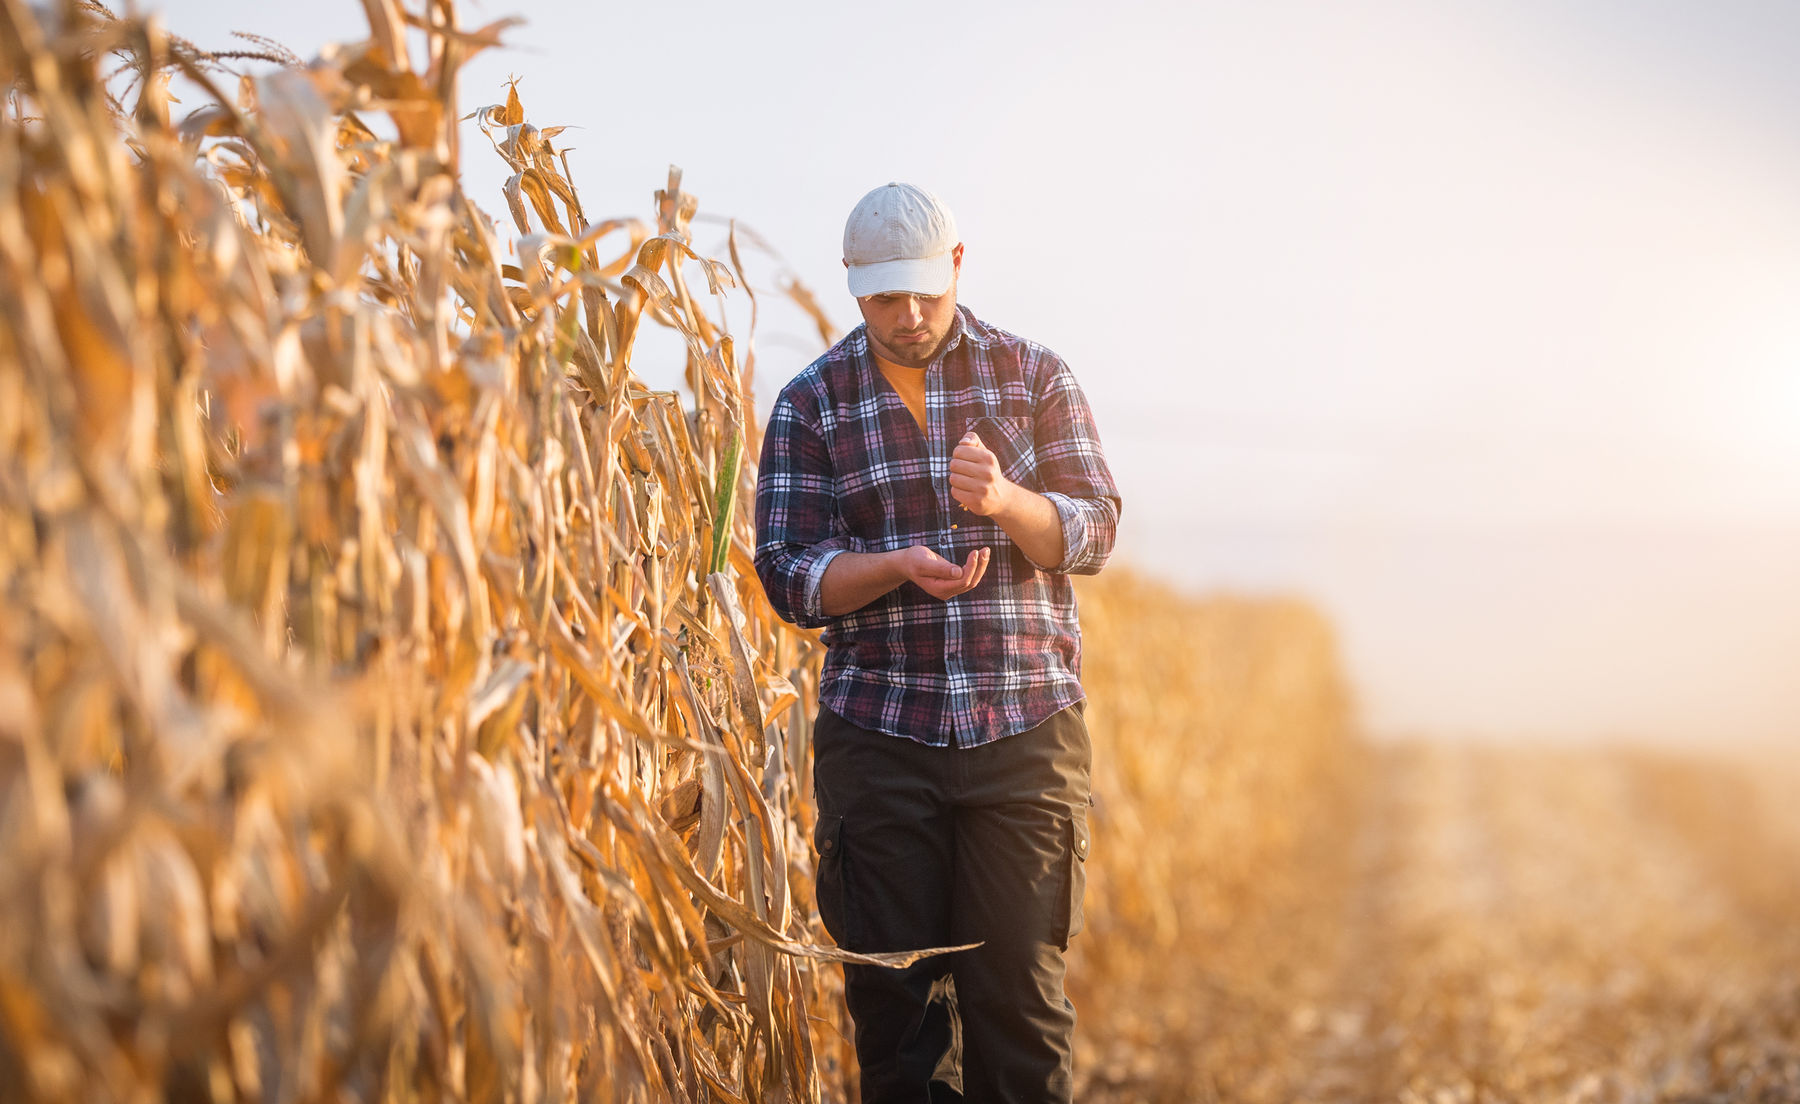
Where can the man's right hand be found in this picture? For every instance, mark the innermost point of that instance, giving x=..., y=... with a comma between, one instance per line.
x=939, y=577
x=854, y=579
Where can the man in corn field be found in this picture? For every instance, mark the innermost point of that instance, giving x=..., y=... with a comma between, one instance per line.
x=927, y=488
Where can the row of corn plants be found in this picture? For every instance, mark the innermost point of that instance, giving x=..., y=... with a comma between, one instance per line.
x=388, y=709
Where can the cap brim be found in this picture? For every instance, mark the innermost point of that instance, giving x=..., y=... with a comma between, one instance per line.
x=930, y=276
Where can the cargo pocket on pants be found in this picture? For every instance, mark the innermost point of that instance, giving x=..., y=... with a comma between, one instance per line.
x=1071, y=920
x=828, y=884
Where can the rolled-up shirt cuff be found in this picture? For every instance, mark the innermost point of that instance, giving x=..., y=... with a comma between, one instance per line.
x=815, y=583
x=1074, y=531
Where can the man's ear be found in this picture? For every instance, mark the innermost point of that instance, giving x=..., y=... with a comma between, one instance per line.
x=955, y=257
x=846, y=262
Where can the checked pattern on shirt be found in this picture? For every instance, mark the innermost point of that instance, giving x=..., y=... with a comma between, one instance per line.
x=845, y=468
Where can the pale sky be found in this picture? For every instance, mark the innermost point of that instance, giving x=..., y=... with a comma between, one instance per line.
x=1476, y=323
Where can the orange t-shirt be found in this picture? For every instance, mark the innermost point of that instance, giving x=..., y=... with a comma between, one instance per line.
x=909, y=382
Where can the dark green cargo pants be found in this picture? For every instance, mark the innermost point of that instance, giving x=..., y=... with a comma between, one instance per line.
x=930, y=847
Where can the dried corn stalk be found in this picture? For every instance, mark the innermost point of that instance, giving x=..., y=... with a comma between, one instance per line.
x=387, y=708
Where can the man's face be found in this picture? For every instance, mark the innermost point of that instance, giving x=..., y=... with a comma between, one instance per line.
x=909, y=329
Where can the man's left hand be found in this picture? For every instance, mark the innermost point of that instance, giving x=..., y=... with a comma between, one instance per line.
x=975, y=477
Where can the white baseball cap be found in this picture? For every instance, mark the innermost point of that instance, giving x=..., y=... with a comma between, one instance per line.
x=900, y=238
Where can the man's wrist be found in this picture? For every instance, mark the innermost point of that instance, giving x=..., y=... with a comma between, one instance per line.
x=1012, y=503
x=893, y=567
x=858, y=579
x=1034, y=523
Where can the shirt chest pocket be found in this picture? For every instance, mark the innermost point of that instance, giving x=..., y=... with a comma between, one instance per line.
x=1014, y=442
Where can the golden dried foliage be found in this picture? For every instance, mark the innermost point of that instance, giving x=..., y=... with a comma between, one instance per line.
x=388, y=710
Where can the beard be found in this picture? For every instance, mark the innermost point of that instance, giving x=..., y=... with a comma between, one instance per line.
x=911, y=348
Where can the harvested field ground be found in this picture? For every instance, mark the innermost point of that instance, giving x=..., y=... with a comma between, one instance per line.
x=1496, y=925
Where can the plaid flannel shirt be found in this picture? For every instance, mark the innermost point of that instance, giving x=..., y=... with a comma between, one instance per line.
x=845, y=468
